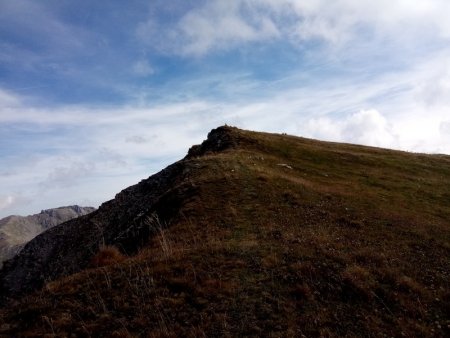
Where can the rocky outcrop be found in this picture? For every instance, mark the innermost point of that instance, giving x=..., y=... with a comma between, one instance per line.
x=16, y=231
x=219, y=139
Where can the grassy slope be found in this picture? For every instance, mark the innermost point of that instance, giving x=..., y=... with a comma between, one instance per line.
x=347, y=241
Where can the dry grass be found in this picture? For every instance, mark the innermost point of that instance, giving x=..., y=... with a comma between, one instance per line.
x=107, y=255
x=351, y=241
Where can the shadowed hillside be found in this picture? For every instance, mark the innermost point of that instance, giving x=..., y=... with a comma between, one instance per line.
x=252, y=234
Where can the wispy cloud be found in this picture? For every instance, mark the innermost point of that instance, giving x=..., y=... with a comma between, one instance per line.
x=220, y=24
x=143, y=68
x=41, y=38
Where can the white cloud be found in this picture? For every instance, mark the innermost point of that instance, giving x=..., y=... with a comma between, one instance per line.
x=367, y=127
x=371, y=128
x=6, y=201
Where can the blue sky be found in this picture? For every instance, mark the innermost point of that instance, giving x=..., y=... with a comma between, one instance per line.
x=97, y=95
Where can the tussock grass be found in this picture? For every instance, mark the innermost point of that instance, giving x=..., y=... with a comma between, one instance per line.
x=107, y=255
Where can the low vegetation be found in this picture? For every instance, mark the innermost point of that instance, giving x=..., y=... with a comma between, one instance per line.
x=285, y=237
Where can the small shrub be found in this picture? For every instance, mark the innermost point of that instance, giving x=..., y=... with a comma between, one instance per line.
x=107, y=255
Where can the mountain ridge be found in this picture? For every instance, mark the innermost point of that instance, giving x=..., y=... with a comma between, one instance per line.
x=16, y=231
x=251, y=234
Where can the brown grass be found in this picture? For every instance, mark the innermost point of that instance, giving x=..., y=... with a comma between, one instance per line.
x=107, y=255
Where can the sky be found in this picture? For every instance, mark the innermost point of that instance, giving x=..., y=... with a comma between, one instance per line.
x=98, y=95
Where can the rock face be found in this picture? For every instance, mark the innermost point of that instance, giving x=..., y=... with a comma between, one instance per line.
x=218, y=140
x=123, y=222
x=16, y=231
x=68, y=248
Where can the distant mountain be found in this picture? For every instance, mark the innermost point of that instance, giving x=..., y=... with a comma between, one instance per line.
x=250, y=235
x=16, y=231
